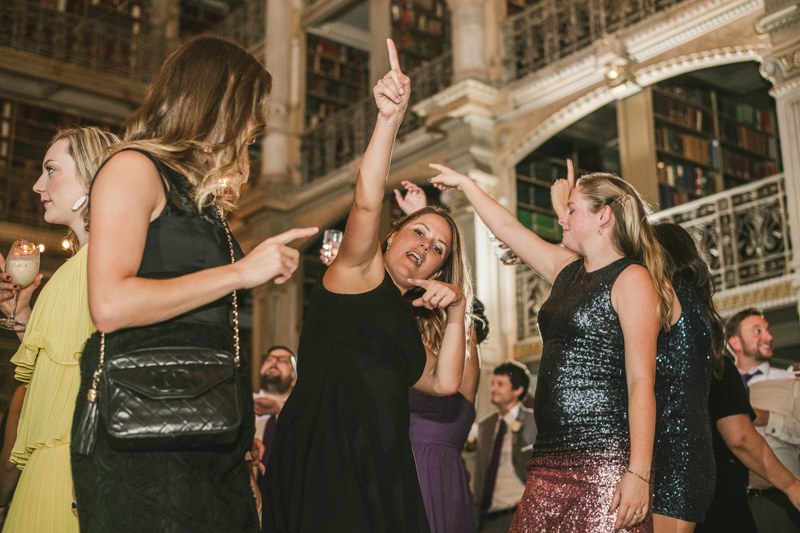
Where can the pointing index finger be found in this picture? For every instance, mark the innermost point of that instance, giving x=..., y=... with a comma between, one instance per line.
x=288, y=236
x=394, y=60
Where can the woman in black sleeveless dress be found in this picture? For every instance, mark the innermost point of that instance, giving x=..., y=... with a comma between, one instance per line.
x=341, y=458
x=160, y=274
x=594, y=401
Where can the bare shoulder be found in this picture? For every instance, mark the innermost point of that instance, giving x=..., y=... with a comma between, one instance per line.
x=132, y=165
x=633, y=278
x=128, y=182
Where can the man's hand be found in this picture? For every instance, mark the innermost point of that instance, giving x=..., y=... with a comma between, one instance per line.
x=267, y=406
x=762, y=417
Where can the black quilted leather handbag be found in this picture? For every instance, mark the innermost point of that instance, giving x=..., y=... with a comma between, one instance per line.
x=166, y=398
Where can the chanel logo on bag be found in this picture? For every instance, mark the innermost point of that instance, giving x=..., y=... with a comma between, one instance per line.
x=170, y=379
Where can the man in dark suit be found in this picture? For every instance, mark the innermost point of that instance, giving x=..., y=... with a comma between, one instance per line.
x=504, y=444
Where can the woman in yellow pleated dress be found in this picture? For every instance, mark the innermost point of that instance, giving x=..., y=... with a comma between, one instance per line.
x=57, y=329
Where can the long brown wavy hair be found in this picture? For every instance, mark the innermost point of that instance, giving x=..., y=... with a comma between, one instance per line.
x=206, y=101
x=632, y=235
x=454, y=270
x=684, y=260
x=86, y=147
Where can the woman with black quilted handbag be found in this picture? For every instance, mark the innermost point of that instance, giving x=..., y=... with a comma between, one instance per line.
x=164, y=412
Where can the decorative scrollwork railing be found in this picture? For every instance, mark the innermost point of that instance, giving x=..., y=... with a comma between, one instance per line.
x=743, y=233
x=343, y=137
x=246, y=25
x=68, y=38
x=552, y=29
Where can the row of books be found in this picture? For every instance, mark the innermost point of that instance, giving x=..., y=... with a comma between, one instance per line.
x=688, y=146
x=427, y=46
x=409, y=11
x=323, y=88
x=683, y=114
x=755, y=141
x=747, y=168
x=419, y=21
x=319, y=65
x=694, y=180
x=338, y=52
x=535, y=195
x=670, y=196
x=701, y=97
x=545, y=226
x=760, y=119
x=318, y=110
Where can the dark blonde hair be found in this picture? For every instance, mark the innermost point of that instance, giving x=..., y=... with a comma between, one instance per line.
x=454, y=270
x=197, y=113
x=85, y=146
x=632, y=235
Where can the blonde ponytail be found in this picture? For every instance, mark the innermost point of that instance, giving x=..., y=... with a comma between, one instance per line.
x=633, y=236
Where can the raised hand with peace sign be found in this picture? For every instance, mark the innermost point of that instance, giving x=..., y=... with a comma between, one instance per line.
x=394, y=89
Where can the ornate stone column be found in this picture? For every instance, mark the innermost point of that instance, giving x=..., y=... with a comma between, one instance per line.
x=782, y=67
x=469, y=25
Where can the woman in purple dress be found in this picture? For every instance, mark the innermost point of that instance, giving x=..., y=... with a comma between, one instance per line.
x=439, y=428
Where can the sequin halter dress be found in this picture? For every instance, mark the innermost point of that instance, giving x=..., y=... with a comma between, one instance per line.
x=582, y=448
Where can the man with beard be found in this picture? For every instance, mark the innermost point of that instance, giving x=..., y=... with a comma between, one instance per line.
x=775, y=396
x=278, y=376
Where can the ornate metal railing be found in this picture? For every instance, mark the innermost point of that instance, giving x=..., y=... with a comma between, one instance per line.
x=246, y=25
x=18, y=203
x=743, y=233
x=552, y=29
x=76, y=40
x=343, y=137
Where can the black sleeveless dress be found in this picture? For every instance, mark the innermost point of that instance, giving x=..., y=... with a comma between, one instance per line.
x=683, y=456
x=341, y=458
x=191, y=491
x=582, y=448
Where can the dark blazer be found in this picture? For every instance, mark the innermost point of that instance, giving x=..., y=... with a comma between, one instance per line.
x=522, y=444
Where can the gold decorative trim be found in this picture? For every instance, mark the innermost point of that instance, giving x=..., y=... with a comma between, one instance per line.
x=757, y=298
x=527, y=351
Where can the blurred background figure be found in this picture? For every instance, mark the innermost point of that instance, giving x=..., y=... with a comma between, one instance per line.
x=278, y=376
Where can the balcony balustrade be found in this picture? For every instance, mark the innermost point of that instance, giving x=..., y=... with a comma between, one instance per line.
x=85, y=42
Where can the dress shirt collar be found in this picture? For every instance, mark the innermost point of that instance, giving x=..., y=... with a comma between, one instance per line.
x=512, y=414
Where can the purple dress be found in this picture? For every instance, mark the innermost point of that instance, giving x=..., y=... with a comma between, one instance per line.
x=438, y=430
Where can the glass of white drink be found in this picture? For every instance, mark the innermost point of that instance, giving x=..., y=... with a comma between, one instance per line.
x=330, y=241
x=22, y=264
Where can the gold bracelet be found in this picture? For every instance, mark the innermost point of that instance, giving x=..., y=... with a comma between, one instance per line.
x=637, y=475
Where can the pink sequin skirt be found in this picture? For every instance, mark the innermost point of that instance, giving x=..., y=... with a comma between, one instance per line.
x=571, y=493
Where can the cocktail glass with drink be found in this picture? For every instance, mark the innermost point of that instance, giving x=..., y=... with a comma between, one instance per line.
x=22, y=264
x=330, y=244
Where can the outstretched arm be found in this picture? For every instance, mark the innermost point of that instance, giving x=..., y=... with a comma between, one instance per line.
x=744, y=441
x=545, y=258
x=561, y=189
x=359, y=264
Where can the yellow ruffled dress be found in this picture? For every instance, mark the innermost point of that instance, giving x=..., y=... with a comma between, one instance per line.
x=48, y=361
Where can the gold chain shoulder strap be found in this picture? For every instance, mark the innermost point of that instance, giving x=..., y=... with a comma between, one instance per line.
x=92, y=395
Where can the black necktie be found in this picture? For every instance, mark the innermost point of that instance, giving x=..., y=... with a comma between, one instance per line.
x=494, y=466
x=746, y=379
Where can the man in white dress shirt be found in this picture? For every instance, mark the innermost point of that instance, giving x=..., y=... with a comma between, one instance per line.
x=775, y=397
x=278, y=376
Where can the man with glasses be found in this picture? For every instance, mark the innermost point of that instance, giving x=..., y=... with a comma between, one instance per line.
x=278, y=376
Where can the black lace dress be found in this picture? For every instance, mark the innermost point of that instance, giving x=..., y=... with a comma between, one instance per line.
x=192, y=491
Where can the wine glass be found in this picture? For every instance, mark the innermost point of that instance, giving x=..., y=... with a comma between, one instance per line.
x=330, y=240
x=22, y=264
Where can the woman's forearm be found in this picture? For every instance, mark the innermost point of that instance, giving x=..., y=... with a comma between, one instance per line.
x=754, y=452
x=449, y=370
x=641, y=419
x=374, y=168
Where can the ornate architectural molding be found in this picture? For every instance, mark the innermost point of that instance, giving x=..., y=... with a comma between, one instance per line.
x=688, y=25
x=476, y=91
x=690, y=62
x=558, y=121
x=778, y=90
x=768, y=294
x=779, y=20
x=782, y=70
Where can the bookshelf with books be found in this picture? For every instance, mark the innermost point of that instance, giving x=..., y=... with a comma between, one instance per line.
x=707, y=140
x=592, y=147
x=336, y=77
x=421, y=30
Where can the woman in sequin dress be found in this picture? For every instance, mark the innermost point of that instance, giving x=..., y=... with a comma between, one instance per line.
x=590, y=468
x=689, y=354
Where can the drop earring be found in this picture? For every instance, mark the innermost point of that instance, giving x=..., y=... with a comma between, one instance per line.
x=599, y=230
x=388, y=244
x=77, y=205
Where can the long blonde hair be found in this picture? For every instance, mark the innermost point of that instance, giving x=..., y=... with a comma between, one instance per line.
x=197, y=113
x=632, y=235
x=454, y=270
x=85, y=146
